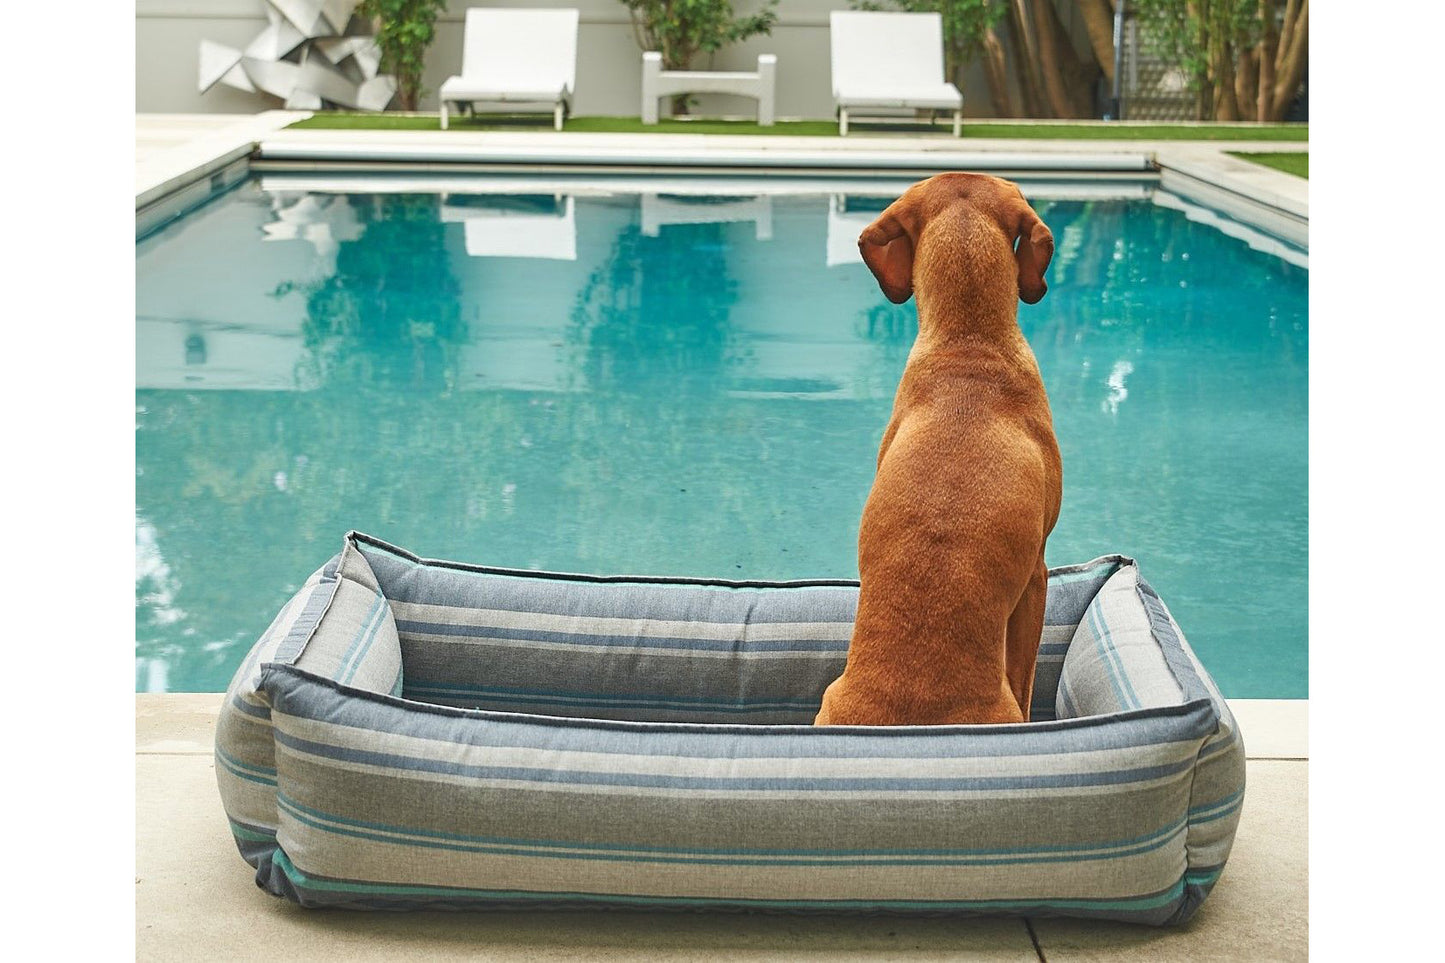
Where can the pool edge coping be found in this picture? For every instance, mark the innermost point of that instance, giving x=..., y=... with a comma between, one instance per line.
x=1202, y=172
x=176, y=168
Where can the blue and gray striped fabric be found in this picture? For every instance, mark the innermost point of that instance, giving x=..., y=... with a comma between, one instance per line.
x=414, y=733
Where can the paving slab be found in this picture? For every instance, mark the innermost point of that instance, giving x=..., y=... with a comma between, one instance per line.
x=1259, y=910
x=1273, y=728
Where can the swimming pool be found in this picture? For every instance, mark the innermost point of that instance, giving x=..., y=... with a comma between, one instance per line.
x=680, y=377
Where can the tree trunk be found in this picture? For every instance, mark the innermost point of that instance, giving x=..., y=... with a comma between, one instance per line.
x=995, y=68
x=1246, y=83
x=1099, y=22
x=1056, y=57
x=1294, y=46
x=1204, y=96
x=1081, y=72
x=1225, y=105
x=1265, y=53
x=1026, y=56
x=954, y=63
x=1291, y=14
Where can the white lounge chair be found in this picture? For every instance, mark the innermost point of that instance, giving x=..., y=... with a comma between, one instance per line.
x=886, y=61
x=516, y=61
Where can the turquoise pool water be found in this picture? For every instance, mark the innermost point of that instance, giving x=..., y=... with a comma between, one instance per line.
x=675, y=384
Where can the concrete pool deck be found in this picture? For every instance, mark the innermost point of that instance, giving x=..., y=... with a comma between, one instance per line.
x=194, y=891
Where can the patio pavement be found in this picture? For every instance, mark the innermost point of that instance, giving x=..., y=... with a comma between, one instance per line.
x=195, y=897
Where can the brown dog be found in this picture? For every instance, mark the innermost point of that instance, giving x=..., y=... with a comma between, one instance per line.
x=951, y=546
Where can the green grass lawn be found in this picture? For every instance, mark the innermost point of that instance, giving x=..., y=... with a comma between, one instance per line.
x=1291, y=162
x=341, y=120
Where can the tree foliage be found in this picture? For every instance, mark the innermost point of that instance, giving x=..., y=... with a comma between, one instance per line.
x=1244, y=59
x=1024, y=46
x=404, y=31
x=680, y=29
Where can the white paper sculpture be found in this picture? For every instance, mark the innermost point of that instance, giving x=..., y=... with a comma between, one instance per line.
x=306, y=57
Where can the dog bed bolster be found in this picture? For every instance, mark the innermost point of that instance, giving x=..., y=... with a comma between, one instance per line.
x=411, y=733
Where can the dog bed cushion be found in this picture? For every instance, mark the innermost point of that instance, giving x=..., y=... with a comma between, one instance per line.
x=412, y=733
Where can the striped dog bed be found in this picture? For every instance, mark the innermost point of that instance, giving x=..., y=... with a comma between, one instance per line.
x=411, y=733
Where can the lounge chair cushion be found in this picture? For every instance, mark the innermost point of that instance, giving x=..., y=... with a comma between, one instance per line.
x=463, y=89
x=563, y=740
x=922, y=96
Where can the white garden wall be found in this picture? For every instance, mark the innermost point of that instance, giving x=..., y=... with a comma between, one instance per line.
x=609, y=62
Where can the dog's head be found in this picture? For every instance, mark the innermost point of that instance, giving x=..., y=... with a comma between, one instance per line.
x=889, y=244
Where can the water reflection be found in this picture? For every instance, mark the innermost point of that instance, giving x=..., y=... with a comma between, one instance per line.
x=392, y=299
x=656, y=312
x=662, y=209
x=322, y=220
x=847, y=217
x=155, y=585
x=515, y=225
x=593, y=381
x=1117, y=391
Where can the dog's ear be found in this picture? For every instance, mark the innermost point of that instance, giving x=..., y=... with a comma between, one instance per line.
x=888, y=251
x=1035, y=250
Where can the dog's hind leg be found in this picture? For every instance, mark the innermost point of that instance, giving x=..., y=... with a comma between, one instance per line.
x=1025, y=631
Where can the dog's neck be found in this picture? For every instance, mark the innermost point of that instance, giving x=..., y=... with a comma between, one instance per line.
x=962, y=314
x=964, y=282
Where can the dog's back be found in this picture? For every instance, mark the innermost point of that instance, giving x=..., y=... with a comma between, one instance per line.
x=950, y=550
